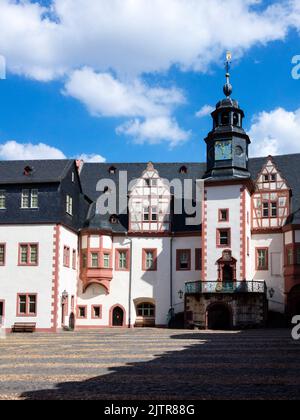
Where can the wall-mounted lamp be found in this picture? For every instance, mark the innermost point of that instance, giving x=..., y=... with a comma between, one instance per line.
x=180, y=294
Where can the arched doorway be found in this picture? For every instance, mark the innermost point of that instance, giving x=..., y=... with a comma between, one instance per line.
x=117, y=316
x=72, y=322
x=219, y=317
x=294, y=302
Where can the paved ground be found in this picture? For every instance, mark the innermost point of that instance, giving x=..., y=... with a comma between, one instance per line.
x=150, y=364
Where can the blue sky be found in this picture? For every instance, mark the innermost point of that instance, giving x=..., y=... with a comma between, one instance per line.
x=67, y=103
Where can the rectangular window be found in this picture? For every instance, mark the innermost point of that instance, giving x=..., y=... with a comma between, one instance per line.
x=30, y=199
x=183, y=259
x=74, y=259
x=81, y=312
x=266, y=209
x=106, y=260
x=122, y=259
x=290, y=256
x=28, y=254
x=96, y=312
x=154, y=214
x=224, y=215
x=149, y=260
x=2, y=200
x=262, y=259
x=95, y=259
x=297, y=255
x=146, y=214
x=223, y=238
x=66, y=256
x=274, y=207
x=198, y=259
x=2, y=254
x=27, y=305
x=2, y=311
x=84, y=260
x=69, y=205
x=25, y=203
x=34, y=199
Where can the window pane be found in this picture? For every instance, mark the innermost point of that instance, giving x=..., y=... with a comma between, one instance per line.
x=262, y=259
x=149, y=260
x=2, y=254
x=32, y=304
x=34, y=199
x=106, y=260
x=82, y=312
x=122, y=260
x=265, y=209
x=2, y=200
x=298, y=256
x=95, y=260
x=25, y=199
x=33, y=254
x=22, y=304
x=274, y=209
x=224, y=237
x=24, y=254
x=97, y=312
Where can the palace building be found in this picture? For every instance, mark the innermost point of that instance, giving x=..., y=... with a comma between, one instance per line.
x=64, y=263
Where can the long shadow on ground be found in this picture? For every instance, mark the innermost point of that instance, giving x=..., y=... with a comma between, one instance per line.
x=246, y=365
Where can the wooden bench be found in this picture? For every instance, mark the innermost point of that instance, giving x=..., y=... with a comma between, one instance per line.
x=25, y=327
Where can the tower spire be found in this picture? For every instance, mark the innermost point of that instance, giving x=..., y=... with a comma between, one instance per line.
x=228, y=87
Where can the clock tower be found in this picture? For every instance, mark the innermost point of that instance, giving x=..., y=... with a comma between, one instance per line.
x=227, y=143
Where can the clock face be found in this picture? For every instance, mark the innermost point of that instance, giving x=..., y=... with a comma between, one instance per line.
x=223, y=150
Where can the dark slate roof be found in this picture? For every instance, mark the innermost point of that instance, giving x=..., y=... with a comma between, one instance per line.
x=288, y=165
x=43, y=171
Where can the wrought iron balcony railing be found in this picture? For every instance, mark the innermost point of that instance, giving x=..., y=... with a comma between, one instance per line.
x=202, y=287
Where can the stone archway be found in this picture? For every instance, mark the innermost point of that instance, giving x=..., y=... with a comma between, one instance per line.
x=117, y=316
x=219, y=317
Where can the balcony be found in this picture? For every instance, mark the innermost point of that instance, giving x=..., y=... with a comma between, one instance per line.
x=208, y=287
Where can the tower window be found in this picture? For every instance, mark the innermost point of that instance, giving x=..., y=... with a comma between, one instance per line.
x=236, y=119
x=225, y=118
x=223, y=238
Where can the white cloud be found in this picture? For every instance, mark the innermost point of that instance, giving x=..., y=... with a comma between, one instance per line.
x=134, y=36
x=91, y=158
x=154, y=131
x=275, y=132
x=129, y=38
x=12, y=150
x=150, y=107
x=105, y=96
x=204, y=111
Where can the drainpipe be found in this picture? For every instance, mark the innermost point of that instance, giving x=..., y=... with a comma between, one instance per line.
x=171, y=273
x=130, y=283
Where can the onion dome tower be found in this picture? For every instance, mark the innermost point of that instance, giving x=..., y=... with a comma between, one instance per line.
x=227, y=143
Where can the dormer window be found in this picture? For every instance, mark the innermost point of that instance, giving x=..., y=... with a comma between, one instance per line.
x=183, y=170
x=114, y=220
x=112, y=170
x=28, y=170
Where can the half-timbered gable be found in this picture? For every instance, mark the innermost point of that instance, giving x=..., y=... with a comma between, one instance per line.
x=150, y=203
x=271, y=200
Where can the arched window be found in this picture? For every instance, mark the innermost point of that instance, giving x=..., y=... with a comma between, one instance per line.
x=225, y=118
x=236, y=119
x=183, y=170
x=146, y=310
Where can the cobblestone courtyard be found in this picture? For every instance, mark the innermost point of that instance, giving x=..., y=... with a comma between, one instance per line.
x=150, y=364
